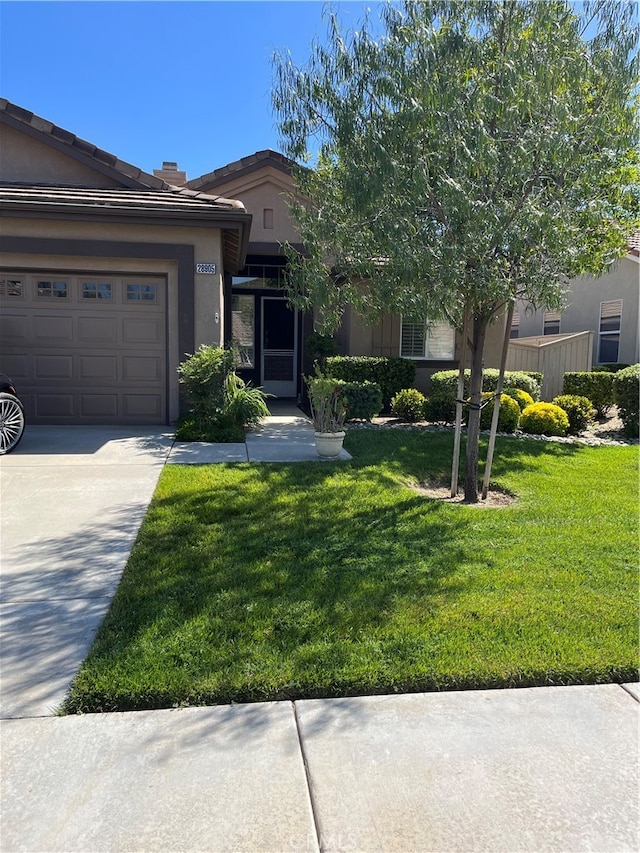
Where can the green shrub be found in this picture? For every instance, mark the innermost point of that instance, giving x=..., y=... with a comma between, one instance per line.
x=579, y=411
x=528, y=382
x=219, y=404
x=626, y=386
x=440, y=408
x=222, y=429
x=522, y=398
x=408, y=405
x=203, y=376
x=444, y=384
x=391, y=374
x=610, y=368
x=544, y=419
x=364, y=400
x=596, y=386
x=508, y=416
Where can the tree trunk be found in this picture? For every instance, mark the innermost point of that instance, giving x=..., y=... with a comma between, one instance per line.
x=473, y=429
x=496, y=405
x=458, y=428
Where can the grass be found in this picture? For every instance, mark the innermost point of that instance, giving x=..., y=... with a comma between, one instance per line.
x=255, y=582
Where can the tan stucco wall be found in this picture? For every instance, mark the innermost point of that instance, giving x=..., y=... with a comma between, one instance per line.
x=208, y=289
x=25, y=159
x=383, y=339
x=582, y=312
x=265, y=188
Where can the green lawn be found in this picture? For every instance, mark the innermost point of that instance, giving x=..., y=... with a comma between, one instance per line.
x=254, y=582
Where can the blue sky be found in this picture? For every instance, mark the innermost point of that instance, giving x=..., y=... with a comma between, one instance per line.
x=154, y=81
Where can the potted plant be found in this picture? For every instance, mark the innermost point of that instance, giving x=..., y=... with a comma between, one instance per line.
x=328, y=411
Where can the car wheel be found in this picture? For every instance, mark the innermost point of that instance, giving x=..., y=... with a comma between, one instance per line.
x=11, y=422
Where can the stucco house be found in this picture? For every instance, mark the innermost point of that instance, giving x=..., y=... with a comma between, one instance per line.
x=606, y=306
x=108, y=276
x=270, y=334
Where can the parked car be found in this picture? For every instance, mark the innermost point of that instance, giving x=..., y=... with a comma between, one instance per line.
x=11, y=416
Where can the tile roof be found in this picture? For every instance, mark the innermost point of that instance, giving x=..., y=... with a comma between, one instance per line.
x=245, y=164
x=634, y=244
x=171, y=199
x=80, y=148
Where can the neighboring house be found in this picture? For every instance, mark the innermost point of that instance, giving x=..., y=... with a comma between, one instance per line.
x=108, y=276
x=606, y=306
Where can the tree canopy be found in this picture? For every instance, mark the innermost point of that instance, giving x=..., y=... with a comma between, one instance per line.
x=472, y=154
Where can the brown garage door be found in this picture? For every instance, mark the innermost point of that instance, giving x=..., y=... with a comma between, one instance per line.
x=85, y=348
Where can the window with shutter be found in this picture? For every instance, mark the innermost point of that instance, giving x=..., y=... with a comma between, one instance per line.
x=434, y=342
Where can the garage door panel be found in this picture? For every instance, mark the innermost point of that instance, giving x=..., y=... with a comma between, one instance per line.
x=103, y=329
x=16, y=366
x=81, y=360
x=14, y=328
x=141, y=330
x=97, y=367
x=144, y=406
x=99, y=406
x=60, y=329
x=54, y=406
x=137, y=368
x=53, y=367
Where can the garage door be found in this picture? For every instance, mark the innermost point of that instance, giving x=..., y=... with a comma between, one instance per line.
x=85, y=349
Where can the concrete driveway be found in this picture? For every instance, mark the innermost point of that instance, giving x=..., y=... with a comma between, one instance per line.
x=72, y=501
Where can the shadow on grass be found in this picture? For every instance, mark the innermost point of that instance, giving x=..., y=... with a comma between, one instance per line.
x=295, y=566
x=259, y=582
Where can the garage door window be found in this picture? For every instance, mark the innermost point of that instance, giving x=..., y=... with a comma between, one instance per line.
x=11, y=287
x=96, y=290
x=52, y=290
x=141, y=293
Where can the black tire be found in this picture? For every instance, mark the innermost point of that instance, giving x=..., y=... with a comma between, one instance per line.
x=11, y=422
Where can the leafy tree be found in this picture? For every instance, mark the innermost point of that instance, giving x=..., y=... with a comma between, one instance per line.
x=471, y=154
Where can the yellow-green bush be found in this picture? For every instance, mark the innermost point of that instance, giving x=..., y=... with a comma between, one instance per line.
x=507, y=418
x=579, y=411
x=522, y=398
x=544, y=419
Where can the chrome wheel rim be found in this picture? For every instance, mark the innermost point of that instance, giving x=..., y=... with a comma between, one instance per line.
x=11, y=423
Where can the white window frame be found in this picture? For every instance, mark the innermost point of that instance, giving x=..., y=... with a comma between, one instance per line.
x=53, y=292
x=423, y=332
x=611, y=306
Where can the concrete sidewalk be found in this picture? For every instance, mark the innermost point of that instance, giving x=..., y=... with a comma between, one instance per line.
x=542, y=769
x=72, y=501
x=286, y=436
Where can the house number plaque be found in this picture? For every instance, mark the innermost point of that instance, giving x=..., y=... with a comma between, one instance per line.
x=206, y=269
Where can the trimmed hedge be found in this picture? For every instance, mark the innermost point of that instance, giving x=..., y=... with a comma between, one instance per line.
x=445, y=382
x=391, y=374
x=544, y=419
x=626, y=387
x=579, y=411
x=408, y=405
x=596, y=386
x=364, y=400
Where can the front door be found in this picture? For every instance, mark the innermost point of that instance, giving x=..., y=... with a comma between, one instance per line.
x=279, y=349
